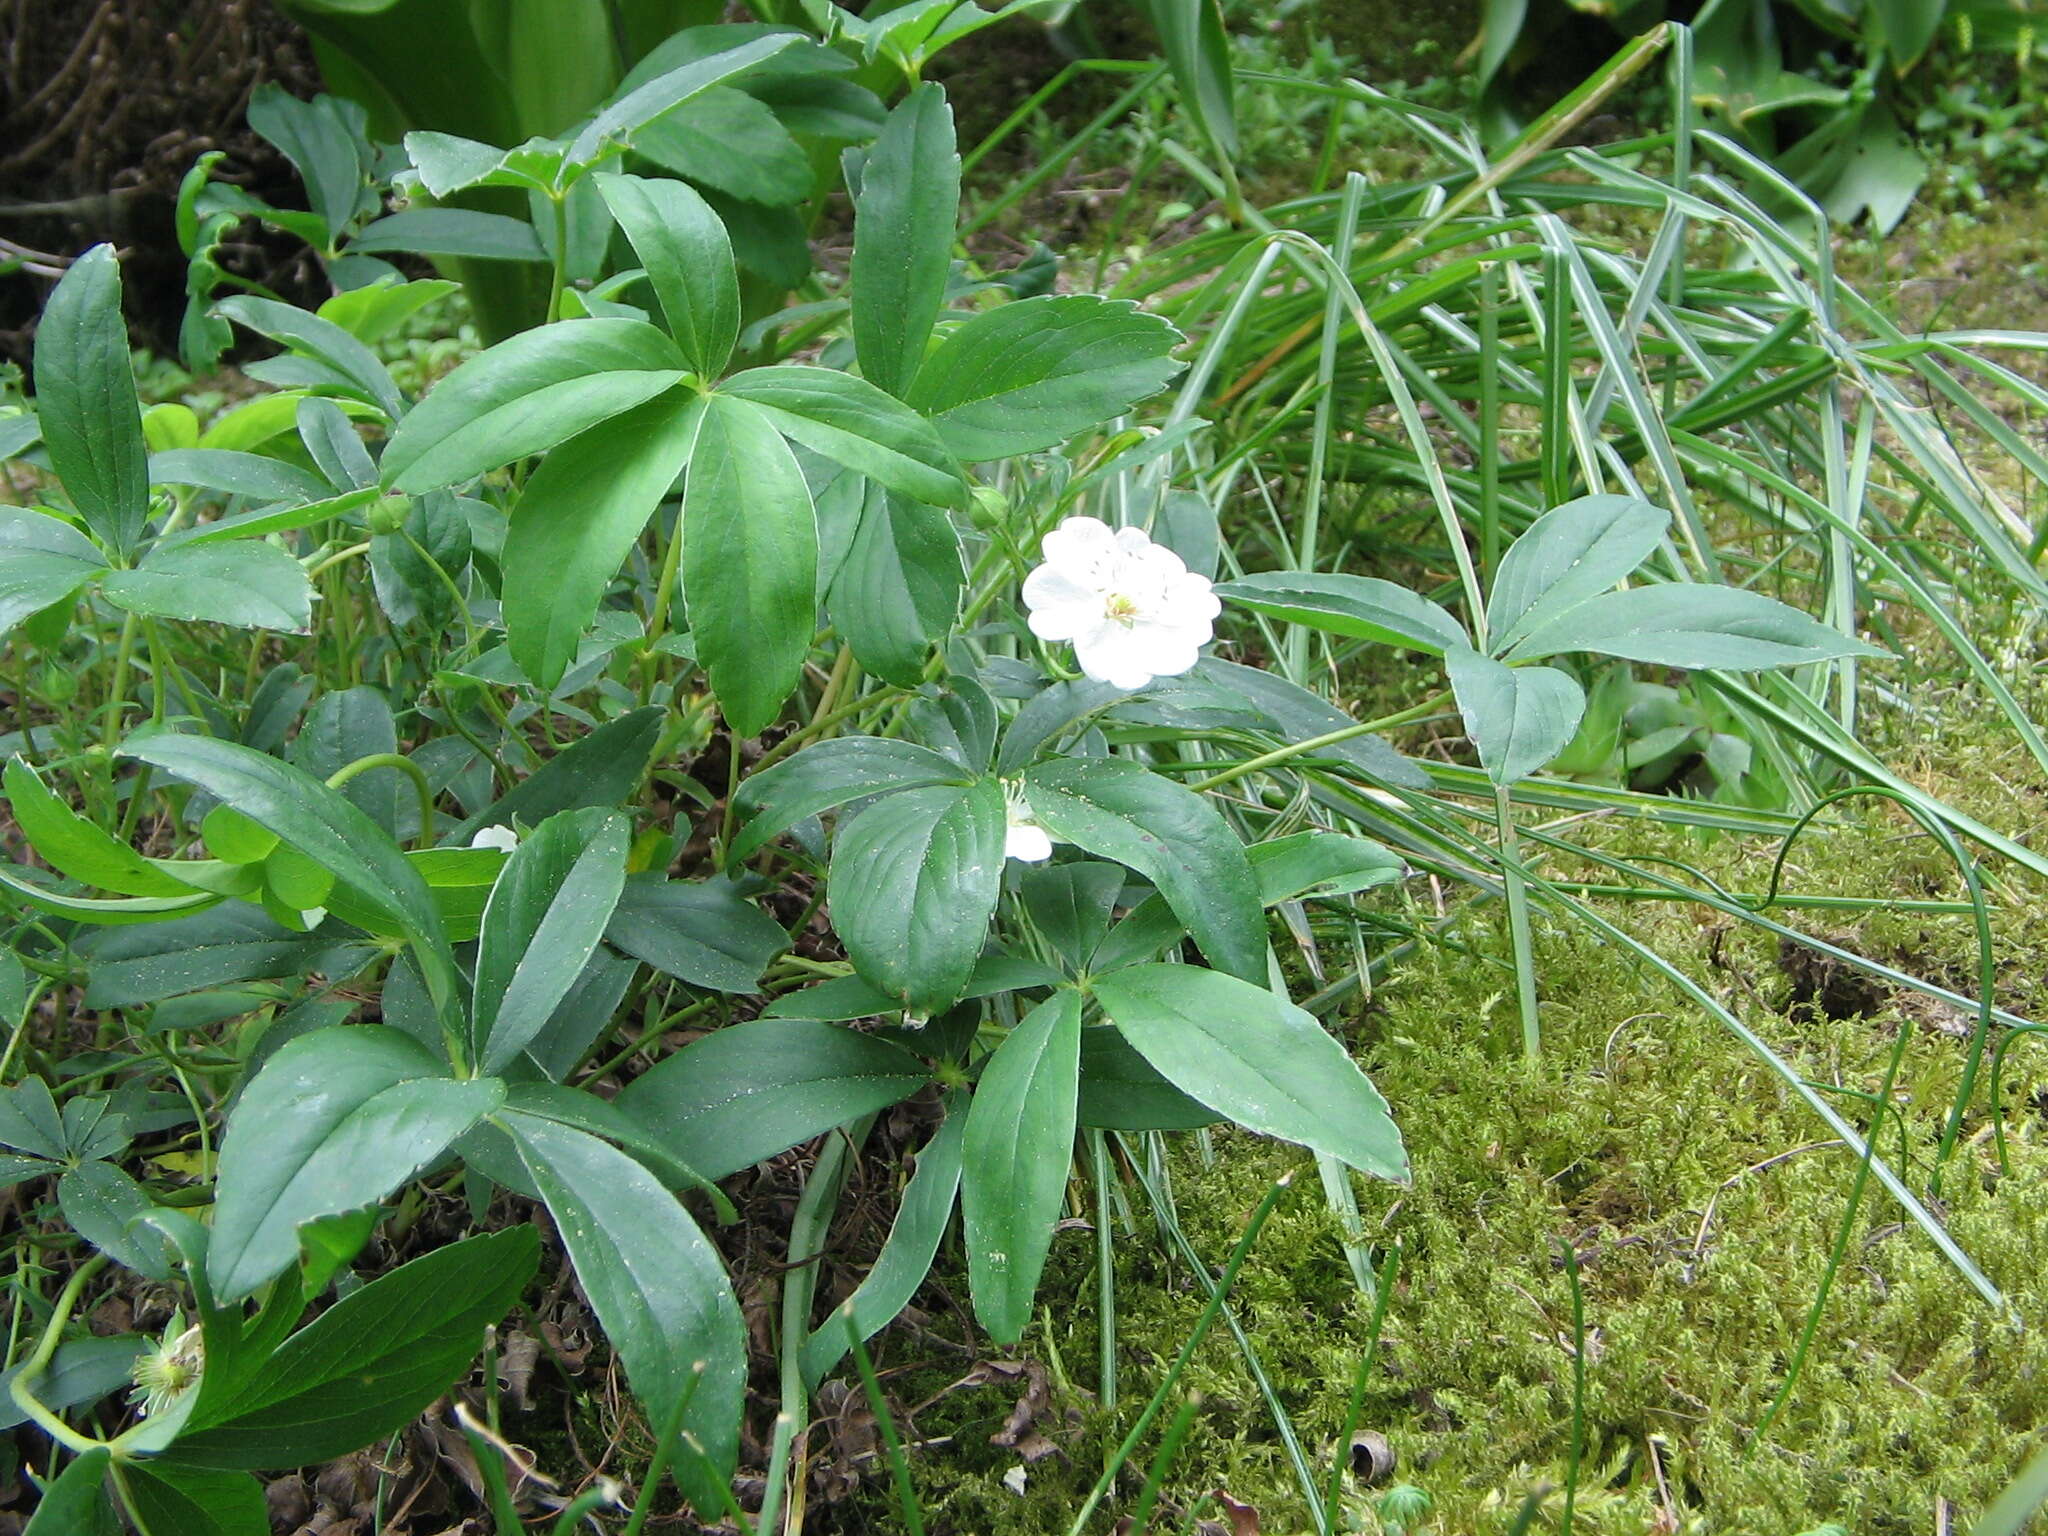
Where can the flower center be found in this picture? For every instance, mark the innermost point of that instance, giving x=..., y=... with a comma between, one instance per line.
x=1122, y=609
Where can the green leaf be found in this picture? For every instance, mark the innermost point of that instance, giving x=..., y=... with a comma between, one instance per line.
x=853, y=423
x=903, y=223
x=1518, y=717
x=101, y=1203
x=1029, y=375
x=321, y=138
x=83, y=1370
x=620, y=121
x=688, y=257
x=171, y=1500
x=1257, y=1058
x=834, y=1001
x=750, y=562
x=700, y=931
x=727, y=140
x=1295, y=714
x=913, y=884
x=602, y=768
x=1018, y=1145
x=323, y=341
x=312, y=818
x=1070, y=905
x=1173, y=837
x=749, y=1091
x=43, y=561
x=1197, y=51
x=546, y=915
x=336, y=1120
x=76, y=847
x=897, y=592
x=1696, y=625
x=255, y=475
x=448, y=163
x=827, y=774
x=85, y=400
x=525, y=395
x=370, y=1364
x=907, y=1253
x=75, y=1502
x=343, y=727
x=1568, y=555
x=243, y=583
x=657, y=1287
x=1362, y=607
x=1122, y=1091
x=451, y=232
x=572, y=527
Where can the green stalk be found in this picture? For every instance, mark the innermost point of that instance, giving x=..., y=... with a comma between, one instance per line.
x=1518, y=924
x=404, y=765
x=1384, y=1293
x=22, y=1388
x=1316, y=744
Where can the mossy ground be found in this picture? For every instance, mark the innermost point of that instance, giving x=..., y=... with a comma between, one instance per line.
x=1702, y=1201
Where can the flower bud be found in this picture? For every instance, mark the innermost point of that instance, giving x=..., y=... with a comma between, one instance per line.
x=991, y=508
x=387, y=513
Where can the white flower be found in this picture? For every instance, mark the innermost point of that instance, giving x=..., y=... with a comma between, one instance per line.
x=496, y=837
x=1132, y=609
x=1024, y=838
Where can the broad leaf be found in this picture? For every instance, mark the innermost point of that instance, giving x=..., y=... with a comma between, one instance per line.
x=169, y=1500
x=546, y=915
x=82, y=1371
x=1019, y=1142
x=1029, y=375
x=1697, y=625
x=85, y=401
x=749, y=1091
x=324, y=342
x=1198, y=51
x=907, y=1253
x=1173, y=837
x=370, y=1364
x=688, y=257
x=1070, y=905
x=1569, y=554
x=243, y=583
x=102, y=1204
x=732, y=143
x=527, y=394
x=1295, y=714
x=700, y=931
x=657, y=1287
x=903, y=222
x=618, y=122
x=1362, y=607
x=602, y=768
x=1518, y=717
x=572, y=527
x=254, y=475
x=853, y=423
x=1122, y=1091
x=896, y=593
x=75, y=1502
x=79, y=848
x=43, y=560
x=312, y=818
x=913, y=884
x=750, y=562
x=451, y=232
x=828, y=774
x=335, y=1121
x=1252, y=1055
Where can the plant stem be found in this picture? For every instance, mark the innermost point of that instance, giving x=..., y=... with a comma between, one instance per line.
x=1518, y=924
x=1315, y=744
x=31, y=1370
x=411, y=770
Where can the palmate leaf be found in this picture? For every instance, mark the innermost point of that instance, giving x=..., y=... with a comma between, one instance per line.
x=85, y=401
x=1029, y=375
x=1019, y=1142
x=903, y=224
x=750, y=562
x=896, y=593
x=913, y=885
x=657, y=1287
x=572, y=527
x=527, y=394
x=1568, y=555
x=855, y=424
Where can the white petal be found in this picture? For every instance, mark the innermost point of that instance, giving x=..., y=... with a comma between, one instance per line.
x=1065, y=620
x=496, y=837
x=1081, y=546
x=1193, y=597
x=1048, y=586
x=1162, y=650
x=1104, y=654
x=1027, y=841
